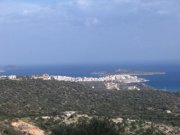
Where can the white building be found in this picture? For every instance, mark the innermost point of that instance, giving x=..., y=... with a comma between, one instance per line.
x=3, y=77
x=12, y=77
x=43, y=77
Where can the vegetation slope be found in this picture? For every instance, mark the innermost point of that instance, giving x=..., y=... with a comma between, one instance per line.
x=37, y=98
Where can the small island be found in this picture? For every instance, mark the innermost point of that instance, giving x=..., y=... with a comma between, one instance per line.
x=129, y=72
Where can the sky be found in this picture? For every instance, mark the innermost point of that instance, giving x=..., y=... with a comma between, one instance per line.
x=89, y=31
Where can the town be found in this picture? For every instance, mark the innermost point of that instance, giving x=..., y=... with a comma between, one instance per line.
x=122, y=78
x=109, y=82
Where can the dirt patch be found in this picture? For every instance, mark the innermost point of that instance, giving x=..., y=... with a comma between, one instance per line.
x=27, y=128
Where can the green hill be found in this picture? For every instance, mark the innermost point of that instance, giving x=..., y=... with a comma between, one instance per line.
x=38, y=97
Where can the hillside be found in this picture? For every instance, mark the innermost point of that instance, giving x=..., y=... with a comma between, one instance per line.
x=38, y=98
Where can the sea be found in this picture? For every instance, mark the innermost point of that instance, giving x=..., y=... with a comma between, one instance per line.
x=170, y=81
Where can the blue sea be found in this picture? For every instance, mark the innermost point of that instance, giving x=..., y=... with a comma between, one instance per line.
x=170, y=81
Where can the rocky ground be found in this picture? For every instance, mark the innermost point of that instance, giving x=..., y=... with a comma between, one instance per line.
x=43, y=125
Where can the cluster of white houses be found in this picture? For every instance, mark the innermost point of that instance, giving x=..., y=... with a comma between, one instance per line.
x=124, y=78
x=110, y=81
x=10, y=77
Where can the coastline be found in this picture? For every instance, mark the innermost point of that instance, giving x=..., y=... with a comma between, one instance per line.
x=168, y=79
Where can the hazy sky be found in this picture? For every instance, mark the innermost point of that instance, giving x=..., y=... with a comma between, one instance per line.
x=89, y=31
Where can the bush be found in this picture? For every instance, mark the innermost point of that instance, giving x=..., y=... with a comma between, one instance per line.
x=10, y=131
x=96, y=126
